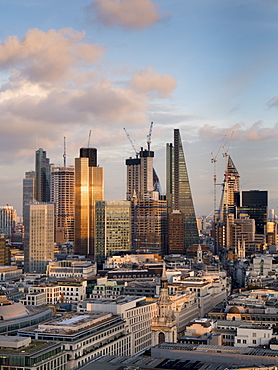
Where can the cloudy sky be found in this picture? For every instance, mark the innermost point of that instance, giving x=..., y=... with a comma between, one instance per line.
x=208, y=68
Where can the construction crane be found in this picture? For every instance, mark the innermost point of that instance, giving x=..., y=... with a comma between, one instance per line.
x=131, y=142
x=65, y=155
x=89, y=138
x=214, y=160
x=149, y=136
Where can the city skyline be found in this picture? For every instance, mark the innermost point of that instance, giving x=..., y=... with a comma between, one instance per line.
x=208, y=69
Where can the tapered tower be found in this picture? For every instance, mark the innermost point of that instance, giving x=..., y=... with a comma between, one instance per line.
x=179, y=195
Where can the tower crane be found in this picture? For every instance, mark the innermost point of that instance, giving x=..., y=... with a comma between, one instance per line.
x=214, y=160
x=89, y=138
x=149, y=136
x=131, y=142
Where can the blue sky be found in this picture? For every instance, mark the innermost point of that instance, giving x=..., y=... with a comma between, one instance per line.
x=208, y=68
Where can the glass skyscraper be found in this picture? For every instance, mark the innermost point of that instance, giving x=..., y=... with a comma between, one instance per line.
x=178, y=190
x=89, y=188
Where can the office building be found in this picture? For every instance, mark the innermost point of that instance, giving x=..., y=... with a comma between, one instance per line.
x=42, y=176
x=7, y=220
x=22, y=353
x=142, y=180
x=85, y=336
x=89, y=188
x=255, y=203
x=5, y=253
x=29, y=189
x=149, y=226
x=62, y=194
x=112, y=228
x=176, y=232
x=178, y=192
x=38, y=237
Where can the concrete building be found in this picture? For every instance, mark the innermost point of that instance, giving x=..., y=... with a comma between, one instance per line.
x=137, y=313
x=38, y=237
x=149, y=226
x=85, y=336
x=72, y=289
x=52, y=292
x=8, y=273
x=89, y=188
x=23, y=353
x=253, y=336
x=5, y=253
x=71, y=268
x=34, y=299
x=62, y=194
x=112, y=228
x=7, y=220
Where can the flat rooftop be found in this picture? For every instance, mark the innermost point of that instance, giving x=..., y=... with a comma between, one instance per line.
x=74, y=322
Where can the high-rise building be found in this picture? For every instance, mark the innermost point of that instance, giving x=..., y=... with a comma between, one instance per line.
x=42, y=176
x=230, y=198
x=149, y=226
x=112, y=228
x=176, y=232
x=89, y=188
x=5, y=253
x=142, y=180
x=62, y=194
x=38, y=236
x=255, y=203
x=29, y=189
x=7, y=220
x=178, y=192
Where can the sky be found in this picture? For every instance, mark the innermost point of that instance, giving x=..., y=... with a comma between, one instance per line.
x=209, y=68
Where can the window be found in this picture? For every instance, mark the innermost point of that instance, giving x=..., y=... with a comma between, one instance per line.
x=239, y=341
x=254, y=341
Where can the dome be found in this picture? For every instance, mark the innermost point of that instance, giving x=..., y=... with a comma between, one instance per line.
x=234, y=309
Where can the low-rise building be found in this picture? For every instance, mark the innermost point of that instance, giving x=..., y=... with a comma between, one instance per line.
x=84, y=336
x=23, y=353
x=71, y=268
x=253, y=335
x=137, y=313
x=10, y=273
x=34, y=299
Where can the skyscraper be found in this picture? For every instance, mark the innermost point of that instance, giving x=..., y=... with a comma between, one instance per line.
x=149, y=226
x=112, y=228
x=140, y=176
x=89, y=188
x=29, y=189
x=38, y=236
x=178, y=192
x=254, y=203
x=62, y=194
x=7, y=220
x=42, y=176
x=230, y=198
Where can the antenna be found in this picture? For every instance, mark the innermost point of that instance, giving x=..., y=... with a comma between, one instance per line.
x=131, y=142
x=65, y=155
x=149, y=136
x=89, y=138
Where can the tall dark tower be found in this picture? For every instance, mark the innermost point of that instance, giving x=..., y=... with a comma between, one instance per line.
x=90, y=153
x=254, y=203
x=42, y=176
x=179, y=195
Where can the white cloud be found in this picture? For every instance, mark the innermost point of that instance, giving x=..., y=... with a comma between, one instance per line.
x=149, y=81
x=132, y=14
